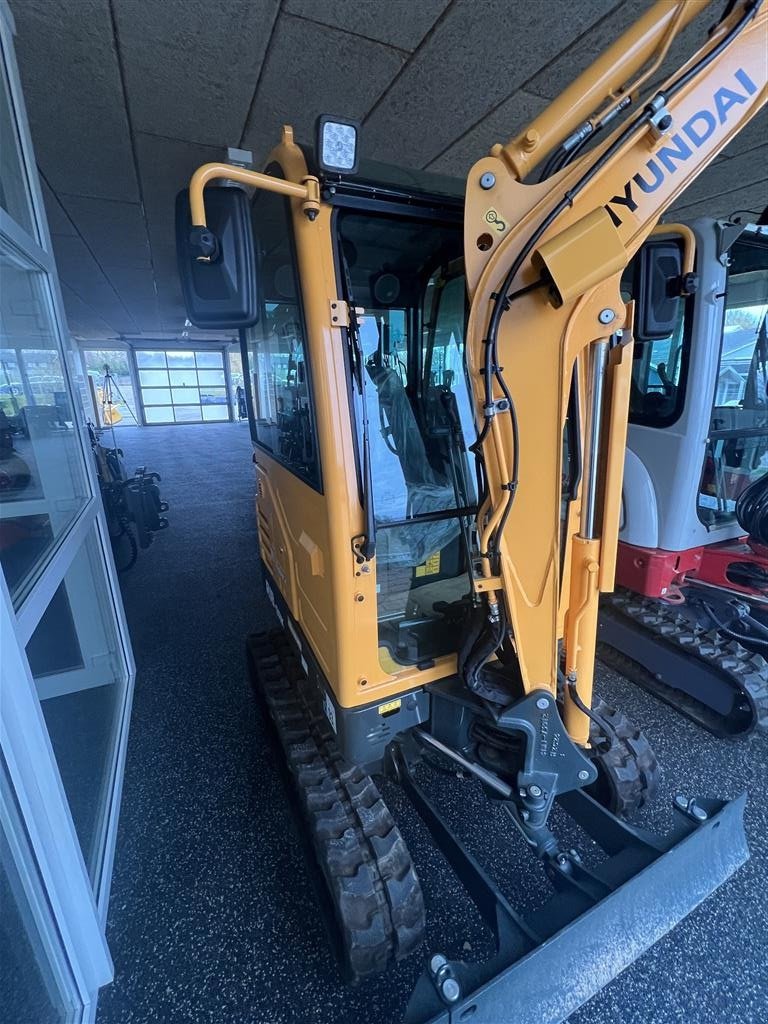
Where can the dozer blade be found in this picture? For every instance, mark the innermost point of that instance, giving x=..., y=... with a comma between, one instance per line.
x=552, y=961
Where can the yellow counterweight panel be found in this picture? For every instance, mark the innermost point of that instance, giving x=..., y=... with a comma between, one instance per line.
x=290, y=513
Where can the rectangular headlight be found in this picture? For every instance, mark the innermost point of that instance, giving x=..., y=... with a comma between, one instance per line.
x=337, y=146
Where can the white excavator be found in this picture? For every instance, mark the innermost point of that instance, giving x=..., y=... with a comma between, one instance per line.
x=689, y=617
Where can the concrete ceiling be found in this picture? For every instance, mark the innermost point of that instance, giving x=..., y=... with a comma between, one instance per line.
x=127, y=97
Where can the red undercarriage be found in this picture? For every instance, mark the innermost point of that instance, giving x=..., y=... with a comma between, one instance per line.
x=658, y=573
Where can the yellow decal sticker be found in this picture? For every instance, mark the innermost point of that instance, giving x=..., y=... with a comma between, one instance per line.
x=431, y=567
x=391, y=705
x=433, y=564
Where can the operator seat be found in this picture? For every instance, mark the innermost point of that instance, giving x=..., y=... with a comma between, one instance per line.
x=405, y=547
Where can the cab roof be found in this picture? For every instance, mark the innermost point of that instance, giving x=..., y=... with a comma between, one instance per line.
x=382, y=182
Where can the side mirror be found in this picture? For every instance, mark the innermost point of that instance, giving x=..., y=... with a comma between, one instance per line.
x=220, y=293
x=658, y=290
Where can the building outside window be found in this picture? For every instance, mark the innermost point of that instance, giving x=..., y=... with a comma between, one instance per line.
x=111, y=392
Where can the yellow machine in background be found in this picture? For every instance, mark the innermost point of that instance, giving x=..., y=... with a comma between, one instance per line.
x=438, y=393
x=110, y=414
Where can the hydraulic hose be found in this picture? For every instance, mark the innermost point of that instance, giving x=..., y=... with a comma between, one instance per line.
x=604, y=727
x=752, y=510
x=732, y=632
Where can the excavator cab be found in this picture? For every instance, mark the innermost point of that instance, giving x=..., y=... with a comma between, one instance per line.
x=438, y=390
x=397, y=259
x=675, y=351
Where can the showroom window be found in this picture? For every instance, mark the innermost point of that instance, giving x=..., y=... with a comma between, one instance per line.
x=14, y=186
x=42, y=476
x=67, y=670
x=74, y=658
x=183, y=387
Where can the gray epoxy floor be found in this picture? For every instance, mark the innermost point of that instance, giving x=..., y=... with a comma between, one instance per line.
x=211, y=916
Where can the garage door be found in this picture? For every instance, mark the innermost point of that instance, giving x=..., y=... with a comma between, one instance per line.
x=182, y=387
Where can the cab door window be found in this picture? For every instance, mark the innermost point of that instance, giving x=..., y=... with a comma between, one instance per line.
x=278, y=377
x=737, y=446
x=407, y=274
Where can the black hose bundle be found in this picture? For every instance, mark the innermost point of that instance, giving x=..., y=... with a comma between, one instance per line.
x=752, y=510
x=481, y=639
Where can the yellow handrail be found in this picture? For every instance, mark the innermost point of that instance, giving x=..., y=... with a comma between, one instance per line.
x=309, y=190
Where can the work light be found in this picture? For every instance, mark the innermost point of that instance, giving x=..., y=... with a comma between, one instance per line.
x=337, y=144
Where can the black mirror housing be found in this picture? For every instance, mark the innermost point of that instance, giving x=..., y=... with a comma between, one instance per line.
x=659, y=287
x=220, y=293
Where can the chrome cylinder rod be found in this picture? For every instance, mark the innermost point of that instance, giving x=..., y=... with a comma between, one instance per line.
x=597, y=369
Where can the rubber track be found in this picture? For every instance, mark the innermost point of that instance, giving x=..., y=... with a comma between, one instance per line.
x=376, y=895
x=747, y=672
x=627, y=759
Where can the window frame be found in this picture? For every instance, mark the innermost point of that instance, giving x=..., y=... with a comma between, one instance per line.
x=275, y=170
x=446, y=219
x=725, y=310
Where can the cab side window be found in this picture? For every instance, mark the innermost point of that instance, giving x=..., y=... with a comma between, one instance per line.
x=657, y=370
x=279, y=380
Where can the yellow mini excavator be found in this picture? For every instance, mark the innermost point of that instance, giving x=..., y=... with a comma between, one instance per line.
x=438, y=390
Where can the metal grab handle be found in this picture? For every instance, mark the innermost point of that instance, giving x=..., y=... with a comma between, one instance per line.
x=309, y=190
